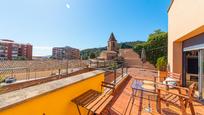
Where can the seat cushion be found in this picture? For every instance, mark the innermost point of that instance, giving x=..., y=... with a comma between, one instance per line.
x=170, y=81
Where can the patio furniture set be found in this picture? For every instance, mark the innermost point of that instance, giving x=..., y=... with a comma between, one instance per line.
x=95, y=102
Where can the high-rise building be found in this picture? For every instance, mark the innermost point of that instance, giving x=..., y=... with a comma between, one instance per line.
x=65, y=53
x=10, y=50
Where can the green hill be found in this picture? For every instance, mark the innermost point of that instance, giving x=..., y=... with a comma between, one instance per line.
x=95, y=52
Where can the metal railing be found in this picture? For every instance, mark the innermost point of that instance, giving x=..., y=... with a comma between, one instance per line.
x=113, y=69
x=35, y=69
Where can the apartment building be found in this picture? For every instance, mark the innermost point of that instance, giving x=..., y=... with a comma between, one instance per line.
x=186, y=41
x=65, y=53
x=10, y=50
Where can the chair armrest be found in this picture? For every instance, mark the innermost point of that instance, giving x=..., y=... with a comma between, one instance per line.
x=179, y=95
x=176, y=87
x=176, y=80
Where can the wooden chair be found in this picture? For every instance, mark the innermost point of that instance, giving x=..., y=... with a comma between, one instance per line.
x=176, y=76
x=96, y=102
x=179, y=99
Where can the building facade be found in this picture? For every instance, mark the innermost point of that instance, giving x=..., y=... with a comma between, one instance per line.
x=186, y=41
x=10, y=50
x=65, y=53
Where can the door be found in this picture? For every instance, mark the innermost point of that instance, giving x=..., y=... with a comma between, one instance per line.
x=191, y=69
x=201, y=74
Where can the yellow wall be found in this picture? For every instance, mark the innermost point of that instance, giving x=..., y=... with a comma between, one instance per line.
x=185, y=20
x=57, y=102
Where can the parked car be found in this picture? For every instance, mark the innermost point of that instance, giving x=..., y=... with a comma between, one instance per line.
x=10, y=79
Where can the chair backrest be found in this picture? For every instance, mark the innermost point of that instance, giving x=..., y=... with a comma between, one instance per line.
x=110, y=86
x=175, y=76
x=191, y=91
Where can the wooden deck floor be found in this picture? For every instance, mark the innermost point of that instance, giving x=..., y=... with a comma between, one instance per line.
x=124, y=104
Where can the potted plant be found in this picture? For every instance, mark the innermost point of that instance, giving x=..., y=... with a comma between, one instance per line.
x=113, y=66
x=162, y=68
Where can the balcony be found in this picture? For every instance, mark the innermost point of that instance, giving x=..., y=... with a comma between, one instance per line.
x=49, y=91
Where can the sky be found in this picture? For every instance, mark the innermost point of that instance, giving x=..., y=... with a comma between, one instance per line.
x=79, y=23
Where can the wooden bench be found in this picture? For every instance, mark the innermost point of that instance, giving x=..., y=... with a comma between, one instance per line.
x=95, y=102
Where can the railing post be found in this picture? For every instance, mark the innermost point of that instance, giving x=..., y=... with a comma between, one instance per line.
x=35, y=73
x=90, y=64
x=122, y=70
x=67, y=72
x=126, y=70
x=97, y=63
x=59, y=72
x=114, y=76
x=28, y=73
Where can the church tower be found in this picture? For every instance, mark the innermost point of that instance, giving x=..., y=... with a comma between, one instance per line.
x=112, y=43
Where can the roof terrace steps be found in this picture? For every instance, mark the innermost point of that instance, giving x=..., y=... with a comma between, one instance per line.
x=133, y=59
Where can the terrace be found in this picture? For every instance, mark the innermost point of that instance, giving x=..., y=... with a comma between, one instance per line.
x=35, y=79
x=55, y=94
x=123, y=103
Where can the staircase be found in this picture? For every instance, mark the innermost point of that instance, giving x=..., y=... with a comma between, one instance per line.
x=133, y=59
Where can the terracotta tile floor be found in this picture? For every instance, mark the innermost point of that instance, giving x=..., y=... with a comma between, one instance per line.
x=124, y=104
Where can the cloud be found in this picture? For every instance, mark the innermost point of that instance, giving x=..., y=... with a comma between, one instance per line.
x=67, y=5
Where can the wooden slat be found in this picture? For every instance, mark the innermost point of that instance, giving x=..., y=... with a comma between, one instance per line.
x=102, y=107
x=96, y=101
x=95, y=107
x=167, y=96
x=176, y=99
x=75, y=100
x=89, y=99
x=108, y=86
x=108, y=83
x=171, y=99
x=174, y=75
x=86, y=97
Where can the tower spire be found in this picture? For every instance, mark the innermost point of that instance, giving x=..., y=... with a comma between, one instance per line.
x=112, y=37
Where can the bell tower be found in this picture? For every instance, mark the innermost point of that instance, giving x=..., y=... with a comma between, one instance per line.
x=112, y=43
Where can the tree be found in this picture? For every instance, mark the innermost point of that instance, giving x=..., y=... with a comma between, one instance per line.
x=124, y=45
x=155, y=47
x=92, y=55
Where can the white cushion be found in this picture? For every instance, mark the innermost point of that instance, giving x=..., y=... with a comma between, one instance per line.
x=170, y=81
